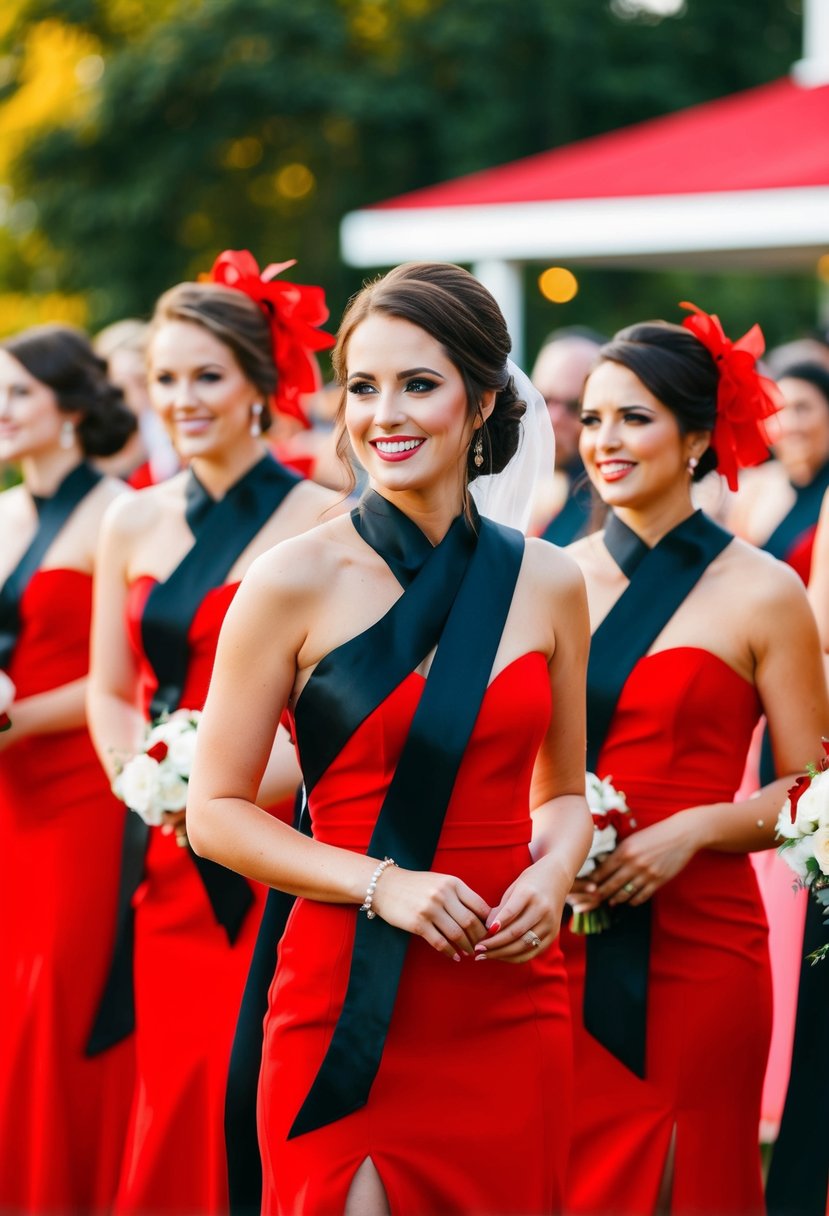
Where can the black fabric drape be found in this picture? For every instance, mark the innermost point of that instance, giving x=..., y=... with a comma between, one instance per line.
x=616, y=978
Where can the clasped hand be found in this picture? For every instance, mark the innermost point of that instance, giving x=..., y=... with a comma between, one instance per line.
x=456, y=921
x=642, y=863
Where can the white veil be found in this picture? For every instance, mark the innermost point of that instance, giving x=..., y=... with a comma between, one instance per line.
x=507, y=497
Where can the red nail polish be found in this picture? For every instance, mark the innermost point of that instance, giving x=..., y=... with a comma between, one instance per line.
x=494, y=927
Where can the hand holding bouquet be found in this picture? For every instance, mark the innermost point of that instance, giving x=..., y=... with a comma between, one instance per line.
x=612, y=822
x=153, y=783
x=803, y=826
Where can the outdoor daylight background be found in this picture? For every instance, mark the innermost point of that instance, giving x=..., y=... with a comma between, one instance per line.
x=139, y=138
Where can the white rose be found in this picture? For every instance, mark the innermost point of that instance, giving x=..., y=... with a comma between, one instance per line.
x=588, y=868
x=784, y=827
x=813, y=804
x=172, y=790
x=181, y=752
x=7, y=693
x=797, y=855
x=604, y=841
x=139, y=785
x=820, y=843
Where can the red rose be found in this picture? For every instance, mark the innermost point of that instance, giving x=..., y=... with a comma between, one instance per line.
x=5, y=722
x=158, y=750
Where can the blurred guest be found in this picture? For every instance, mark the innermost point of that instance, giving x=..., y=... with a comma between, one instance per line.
x=63, y=1116
x=564, y=502
x=148, y=456
x=811, y=349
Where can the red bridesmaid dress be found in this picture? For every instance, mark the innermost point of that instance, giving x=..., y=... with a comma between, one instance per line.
x=470, y=1109
x=188, y=987
x=678, y=739
x=63, y=1116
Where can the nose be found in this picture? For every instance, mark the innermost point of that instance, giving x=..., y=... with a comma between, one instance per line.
x=182, y=392
x=607, y=437
x=387, y=409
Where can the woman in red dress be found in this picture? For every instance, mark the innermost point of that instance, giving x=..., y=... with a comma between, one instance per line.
x=62, y=1116
x=220, y=357
x=695, y=635
x=406, y=1068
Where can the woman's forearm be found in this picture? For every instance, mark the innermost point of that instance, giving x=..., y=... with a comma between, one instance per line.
x=563, y=832
x=43, y=713
x=740, y=827
x=117, y=728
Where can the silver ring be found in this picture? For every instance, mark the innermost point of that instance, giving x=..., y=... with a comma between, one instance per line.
x=630, y=888
x=532, y=939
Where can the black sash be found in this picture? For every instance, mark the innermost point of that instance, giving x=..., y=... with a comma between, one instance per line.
x=52, y=514
x=802, y=516
x=467, y=609
x=616, y=978
x=799, y=1171
x=222, y=529
x=573, y=519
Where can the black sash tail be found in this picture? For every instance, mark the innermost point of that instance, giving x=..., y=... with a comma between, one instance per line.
x=411, y=817
x=52, y=514
x=799, y=1173
x=222, y=529
x=617, y=963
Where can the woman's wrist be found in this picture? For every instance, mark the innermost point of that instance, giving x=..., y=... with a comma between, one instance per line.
x=367, y=905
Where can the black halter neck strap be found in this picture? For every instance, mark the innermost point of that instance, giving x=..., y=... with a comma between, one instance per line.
x=222, y=529
x=801, y=517
x=53, y=513
x=616, y=980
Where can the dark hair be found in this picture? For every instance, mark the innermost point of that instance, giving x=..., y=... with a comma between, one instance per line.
x=62, y=358
x=813, y=373
x=456, y=309
x=235, y=320
x=679, y=371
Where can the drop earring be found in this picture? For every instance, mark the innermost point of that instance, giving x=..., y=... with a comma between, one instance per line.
x=255, y=423
x=478, y=448
x=67, y=435
x=693, y=461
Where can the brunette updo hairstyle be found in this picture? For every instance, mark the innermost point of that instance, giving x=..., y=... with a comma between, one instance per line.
x=812, y=373
x=456, y=309
x=679, y=371
x=235, y=320
x=62, y=358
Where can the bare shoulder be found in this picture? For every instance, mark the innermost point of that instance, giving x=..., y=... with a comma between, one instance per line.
x=15, y=504
x=763, y=589
x=551, y=568
x=317, y=504
x=306, y=564
x=131, y=514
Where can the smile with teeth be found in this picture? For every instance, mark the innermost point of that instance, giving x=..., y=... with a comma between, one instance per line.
x=397, y=449
x=613, y=470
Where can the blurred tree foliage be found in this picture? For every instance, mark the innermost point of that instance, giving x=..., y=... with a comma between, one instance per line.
x=143, y=136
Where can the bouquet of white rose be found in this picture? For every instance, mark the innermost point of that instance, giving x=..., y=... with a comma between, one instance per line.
x=803, y=826
x=155, y=780
x=612, y=822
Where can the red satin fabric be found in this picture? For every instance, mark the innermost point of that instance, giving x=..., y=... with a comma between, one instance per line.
x=62, y=1117
x=679, y=739
x=471, y=1107
x=188, y=987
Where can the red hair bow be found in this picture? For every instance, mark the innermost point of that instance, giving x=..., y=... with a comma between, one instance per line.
x=744, y=397
x=293, y=312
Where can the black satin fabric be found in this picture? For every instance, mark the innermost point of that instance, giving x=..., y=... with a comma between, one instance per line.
x=52, y=514
x=617, y=960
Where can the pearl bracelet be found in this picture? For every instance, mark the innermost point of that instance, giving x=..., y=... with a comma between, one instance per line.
x=365, y=906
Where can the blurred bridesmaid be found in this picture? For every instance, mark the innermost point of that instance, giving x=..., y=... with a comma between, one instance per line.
x=695, y=634
x=222, y=356
x=62, y=1115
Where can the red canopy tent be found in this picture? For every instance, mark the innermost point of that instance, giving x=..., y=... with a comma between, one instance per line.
x=741, y=182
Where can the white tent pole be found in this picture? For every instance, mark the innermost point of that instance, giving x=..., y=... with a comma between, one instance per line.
x=813, y=69
x=504, y=280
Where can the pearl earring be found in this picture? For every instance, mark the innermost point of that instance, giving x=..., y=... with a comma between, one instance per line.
x=67, y=435
x=693, y=461
x=255, y=423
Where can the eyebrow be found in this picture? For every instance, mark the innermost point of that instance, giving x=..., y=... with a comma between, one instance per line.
x=412, y=371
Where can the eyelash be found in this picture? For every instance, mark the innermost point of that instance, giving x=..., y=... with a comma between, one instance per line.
x=210, y=377
x=628, y=416
x=362, y=388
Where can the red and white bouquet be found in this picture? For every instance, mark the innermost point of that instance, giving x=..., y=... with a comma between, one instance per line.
x=803, y=826
x=155, y=780
x=612, y=822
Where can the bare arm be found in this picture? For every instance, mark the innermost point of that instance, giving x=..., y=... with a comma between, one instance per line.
x=115, y=719
x=45, y=713
x=819, y=577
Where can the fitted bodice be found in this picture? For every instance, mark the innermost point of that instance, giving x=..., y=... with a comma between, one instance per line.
x=680, y=733
x=53, y=644
x=490, y=800
x=202, y=639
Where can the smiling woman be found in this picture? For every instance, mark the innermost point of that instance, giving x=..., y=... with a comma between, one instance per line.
x=219, y=363
x=428, y=657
